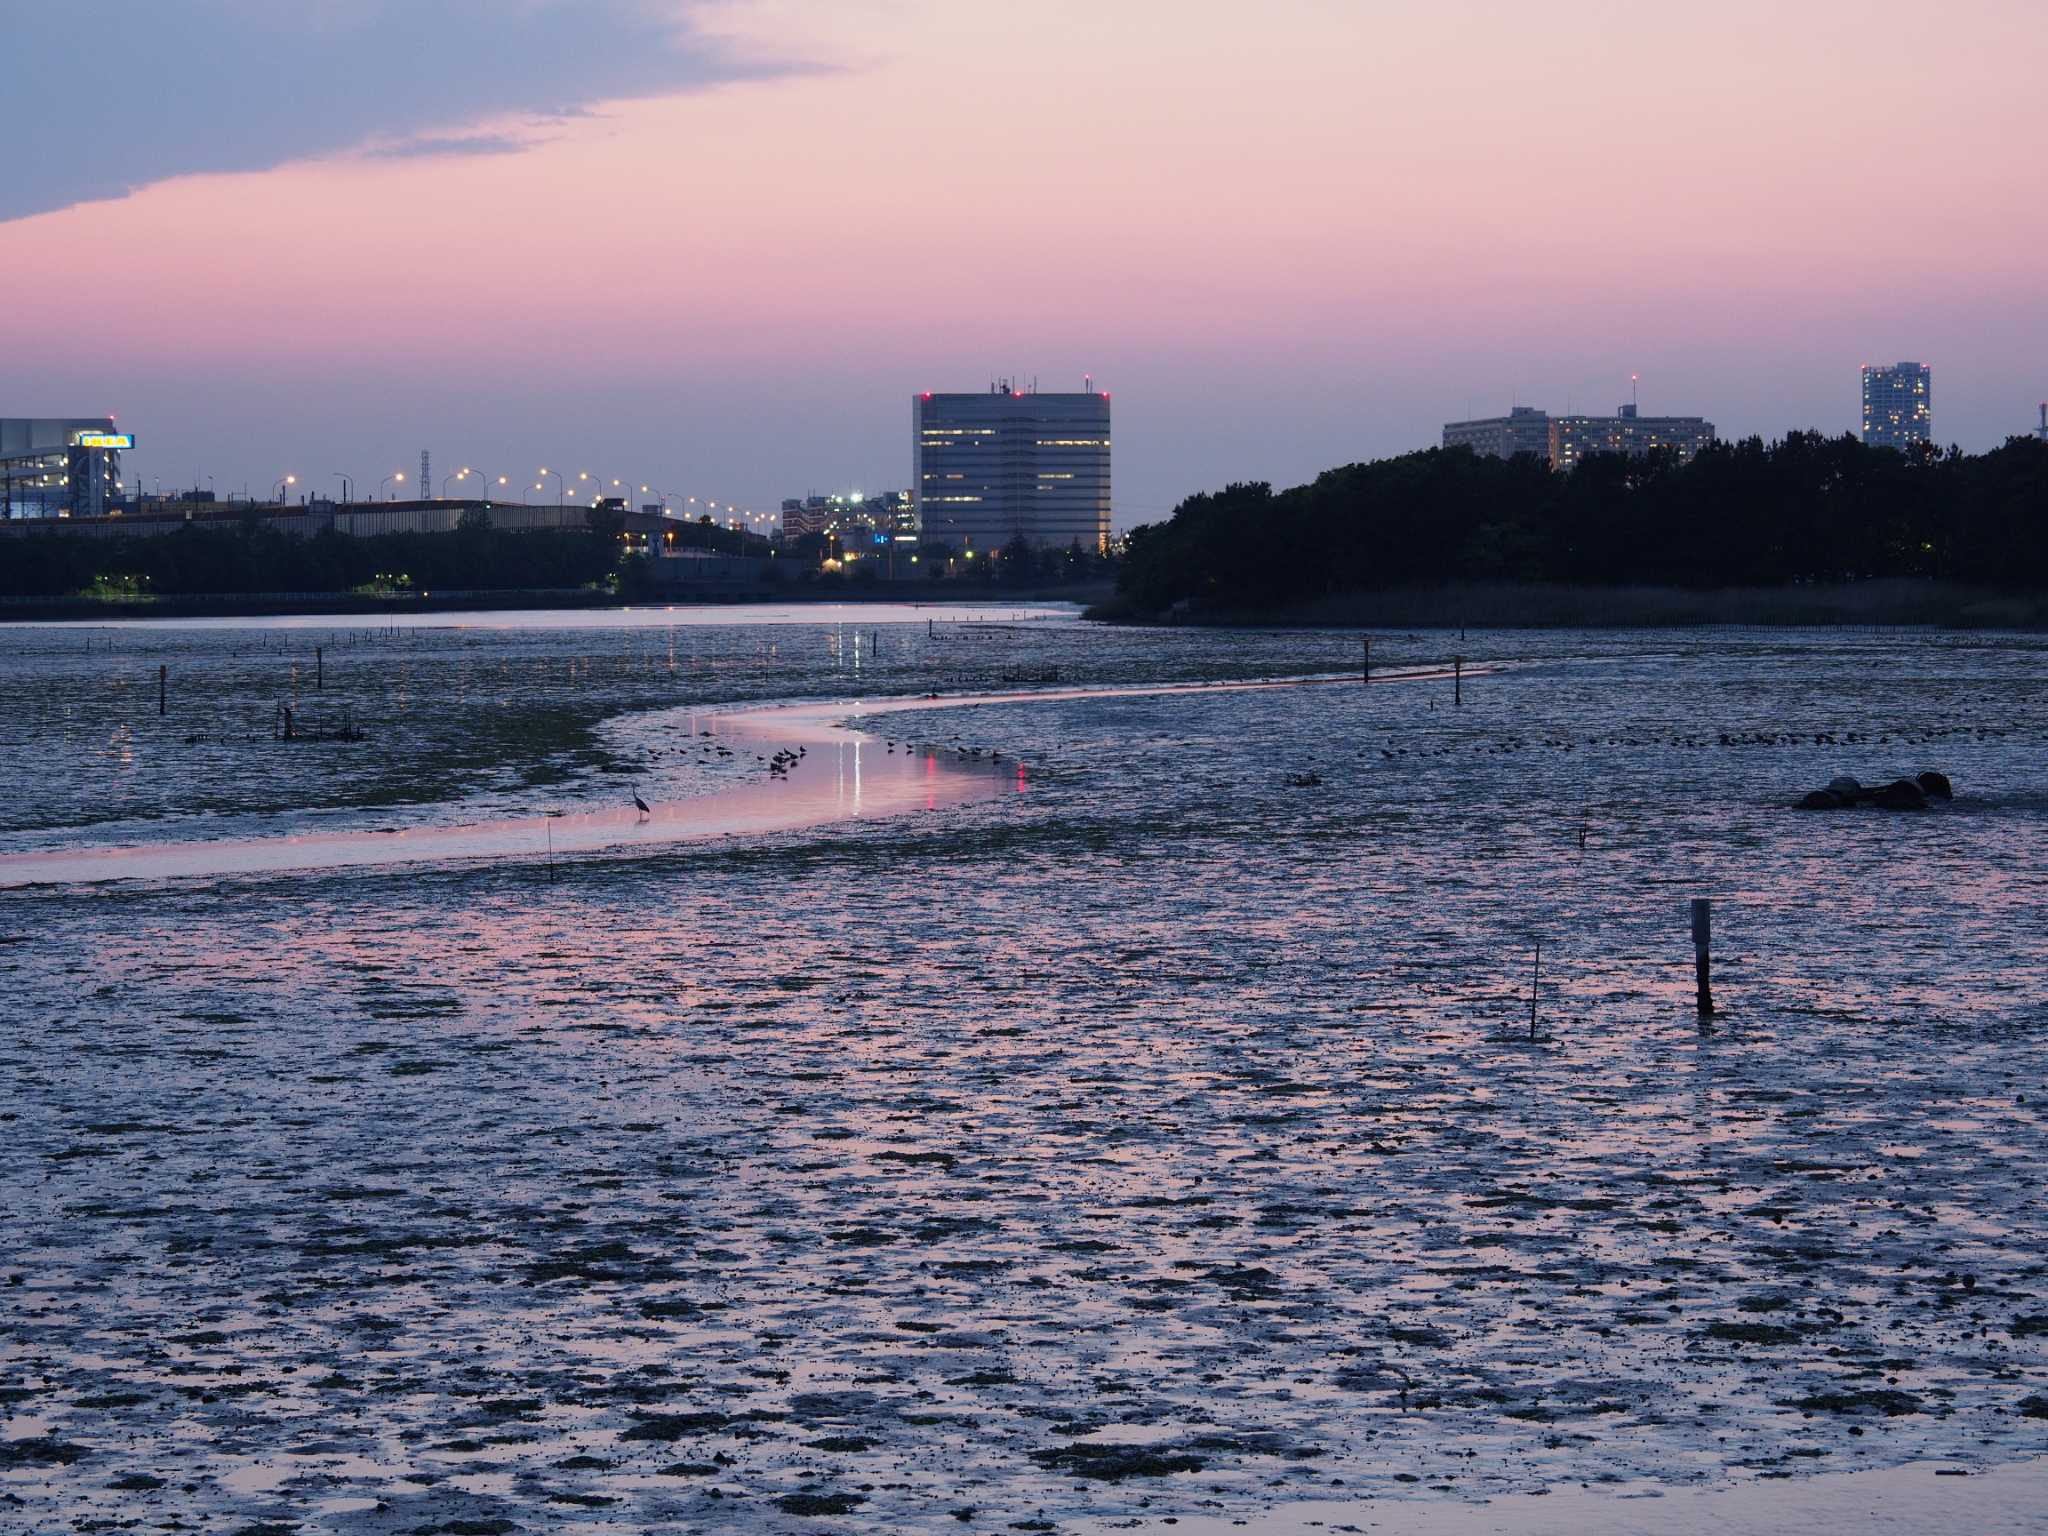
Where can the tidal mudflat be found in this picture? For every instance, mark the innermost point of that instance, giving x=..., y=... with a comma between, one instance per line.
x=1152, y=1140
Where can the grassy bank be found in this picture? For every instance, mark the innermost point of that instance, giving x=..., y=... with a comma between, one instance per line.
x=1509, y=605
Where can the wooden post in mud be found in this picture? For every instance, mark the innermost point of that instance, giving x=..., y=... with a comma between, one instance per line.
x=1535, y=983
x=1702, y=943
x=1366, y=676
x=319, y=670
x=1457, y=680
x=163, y=679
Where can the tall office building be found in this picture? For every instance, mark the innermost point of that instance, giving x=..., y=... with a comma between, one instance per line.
x=1564, y=440
x=1012, y=463
x=1898, y=405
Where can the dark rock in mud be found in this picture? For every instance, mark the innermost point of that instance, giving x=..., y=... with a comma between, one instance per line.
x=1114, y=1463
x=820, y=1503
x=1257, y=1443
x=2035, y=1407
x=601, y=1261
x=39, y=1451
x=832, y=1405
x=845, y=1445
x=1752, y=1333
x=668, y=1427
x=1892, y=1404
x=1912, y=794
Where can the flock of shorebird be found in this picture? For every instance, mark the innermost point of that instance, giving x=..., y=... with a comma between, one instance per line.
x=972, y=754
x=779, y=763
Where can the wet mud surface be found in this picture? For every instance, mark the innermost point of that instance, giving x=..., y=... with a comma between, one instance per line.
x=1158, y=1142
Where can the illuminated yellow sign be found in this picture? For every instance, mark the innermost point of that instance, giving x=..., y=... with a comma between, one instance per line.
x=105, y=440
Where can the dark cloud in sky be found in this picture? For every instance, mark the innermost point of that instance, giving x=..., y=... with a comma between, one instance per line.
x=451, y=144
x=108, y=98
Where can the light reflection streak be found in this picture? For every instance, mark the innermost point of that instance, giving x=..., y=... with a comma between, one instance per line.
x=809, y=797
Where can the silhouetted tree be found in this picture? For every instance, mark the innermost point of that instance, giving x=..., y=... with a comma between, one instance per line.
x=1807, y=509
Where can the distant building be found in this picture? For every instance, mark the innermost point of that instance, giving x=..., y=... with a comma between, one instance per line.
x=360, y=519
x=1523, y=430
x=1898, y=405
x=60, y=466
x=1565, y=440
x=1573, y=437
x=1012, y=464
x=887, y=518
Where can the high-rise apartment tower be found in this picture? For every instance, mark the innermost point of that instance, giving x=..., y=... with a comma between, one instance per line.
x=1898, y=405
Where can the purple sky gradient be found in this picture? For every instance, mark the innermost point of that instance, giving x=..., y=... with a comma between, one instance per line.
x=716, y=247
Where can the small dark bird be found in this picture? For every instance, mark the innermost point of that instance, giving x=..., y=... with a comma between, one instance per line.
x=641, y=806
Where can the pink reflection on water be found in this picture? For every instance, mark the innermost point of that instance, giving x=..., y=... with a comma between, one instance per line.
x=822, y=786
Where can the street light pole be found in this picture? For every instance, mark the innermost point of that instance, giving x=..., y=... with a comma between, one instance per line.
x=560, y=483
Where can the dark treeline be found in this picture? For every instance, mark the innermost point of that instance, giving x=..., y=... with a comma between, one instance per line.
x=216, y=558
x=1810, y=509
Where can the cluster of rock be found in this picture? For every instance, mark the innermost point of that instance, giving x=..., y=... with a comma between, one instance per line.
x=1900, y=795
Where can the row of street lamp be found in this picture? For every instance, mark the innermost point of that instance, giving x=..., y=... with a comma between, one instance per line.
x=734, y=517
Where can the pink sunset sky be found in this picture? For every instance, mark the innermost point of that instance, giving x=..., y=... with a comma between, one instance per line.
x=1286, y=235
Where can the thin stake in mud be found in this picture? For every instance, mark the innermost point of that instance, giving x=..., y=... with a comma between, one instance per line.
x=1535, y=984
x=1457, y=680
x=1366, y=675
x=163, y=679
x=319, y=670
x=1702, y=944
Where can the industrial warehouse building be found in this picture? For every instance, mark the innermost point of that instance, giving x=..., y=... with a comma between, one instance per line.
x=60, y=466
